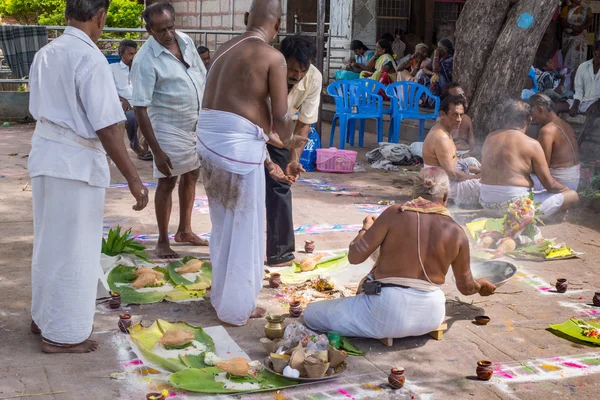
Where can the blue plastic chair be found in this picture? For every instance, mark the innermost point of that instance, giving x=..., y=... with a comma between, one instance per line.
x=374, y=87
x=348, y=94
x=405, y=98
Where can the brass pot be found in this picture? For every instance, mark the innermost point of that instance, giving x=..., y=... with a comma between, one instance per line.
x=274, y=328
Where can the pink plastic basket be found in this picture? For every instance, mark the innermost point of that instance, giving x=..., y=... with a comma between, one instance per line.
x=334, y=160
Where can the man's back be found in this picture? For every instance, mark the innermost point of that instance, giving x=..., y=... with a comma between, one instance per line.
x=560, y=144
x=507, y=159
x=239, y=79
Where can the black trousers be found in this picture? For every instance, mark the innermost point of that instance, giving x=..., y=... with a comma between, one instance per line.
x=131, y=126
x=280, y=225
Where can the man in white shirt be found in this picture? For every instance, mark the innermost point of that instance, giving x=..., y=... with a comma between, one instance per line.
x=587, y=86
x=77, y=114
x=305, y=84
x=122, y=77
x=168, y=86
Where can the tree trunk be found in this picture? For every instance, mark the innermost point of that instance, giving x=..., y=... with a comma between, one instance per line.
x=493, y=76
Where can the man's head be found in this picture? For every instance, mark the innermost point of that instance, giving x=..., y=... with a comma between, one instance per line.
x=358, y=47
x=160, y=23
x=204, y=55
x=453, y=89
x=87, y=15
x=299, y=52
x=422, y=50
x=596, y=52
x=432, y=184
x=264, y=17
x=517, y=115
x=127, y=50
x=452, y=110
x=542, y=108
x=446, y=48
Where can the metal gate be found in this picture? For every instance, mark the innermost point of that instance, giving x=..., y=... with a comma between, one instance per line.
x=392, y=15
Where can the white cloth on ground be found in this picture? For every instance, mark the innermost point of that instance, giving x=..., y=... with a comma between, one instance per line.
x=67, y=221
x=464, y=193
x=179, y=145
x=396, y=313
x=496, y=198
x=567, y=176
x=232, y=150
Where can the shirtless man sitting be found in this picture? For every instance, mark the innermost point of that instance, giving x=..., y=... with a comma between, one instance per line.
x=463, y=137
x=418, y=242
x=439, y=150
x=558, y=142
x=509, y=158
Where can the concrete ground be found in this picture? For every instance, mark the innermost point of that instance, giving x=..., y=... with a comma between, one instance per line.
x=530, y=362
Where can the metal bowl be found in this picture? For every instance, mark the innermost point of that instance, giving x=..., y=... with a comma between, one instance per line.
x=496, y=271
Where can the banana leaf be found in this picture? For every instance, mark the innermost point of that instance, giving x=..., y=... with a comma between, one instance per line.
x=202, y=282
x=350, y=348
x=203, y=381
x=572, y=328
x=145, y=339
x=291, y=276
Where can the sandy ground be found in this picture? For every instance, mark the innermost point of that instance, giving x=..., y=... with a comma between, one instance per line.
x=531, y=362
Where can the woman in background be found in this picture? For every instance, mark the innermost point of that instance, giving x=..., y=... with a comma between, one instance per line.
x=382, y=65
x=356, y=64
x=575, y=19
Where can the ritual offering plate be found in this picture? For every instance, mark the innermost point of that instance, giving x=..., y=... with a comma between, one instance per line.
x=336, y=373
x=496, y=271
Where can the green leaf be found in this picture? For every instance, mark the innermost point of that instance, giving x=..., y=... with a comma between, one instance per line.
x=349, y=347
x=571, y=328
x=175, y=276
x=292, y=276
x=203, y=381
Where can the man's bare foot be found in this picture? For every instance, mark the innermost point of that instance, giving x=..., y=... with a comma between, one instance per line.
x=163, y=250
x=285, y=264
x=189, y=237
x=259, y=312
x=35, y=329
x=56, y=348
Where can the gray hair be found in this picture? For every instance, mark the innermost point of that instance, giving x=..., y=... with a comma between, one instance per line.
x=157, y=9
x=516, y=114
x=422, y=48
x=541, y=100
x=85, y=10
x=432, y=183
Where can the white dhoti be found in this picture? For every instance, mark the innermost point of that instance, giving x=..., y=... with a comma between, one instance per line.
x=396, y=313
x=67, y=222
x=179, y=145
x=583, y=106
x=464, y=193
x=567, y=176
x=233, y=151
x=495, y=199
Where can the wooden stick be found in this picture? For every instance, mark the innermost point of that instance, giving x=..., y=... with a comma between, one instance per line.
x=33, y=395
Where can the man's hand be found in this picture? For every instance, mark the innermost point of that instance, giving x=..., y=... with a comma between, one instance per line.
x=277, y=173
x=296, y=142
x=163, y=163
x=294, y=170
x=369, y=221
x=594, y=108
x=125, y=104
x=140, y=193
x=487, y=287
x=573, y=111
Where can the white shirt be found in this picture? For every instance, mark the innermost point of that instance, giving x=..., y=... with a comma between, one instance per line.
x=68, y=88
x=587, y=84
x=305, y=96
x=122, y=78
x=172, y=92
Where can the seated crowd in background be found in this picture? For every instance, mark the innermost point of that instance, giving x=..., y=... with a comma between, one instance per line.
x=357, y=63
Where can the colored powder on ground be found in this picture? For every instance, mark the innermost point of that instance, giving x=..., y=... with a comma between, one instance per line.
x=371, y=386
x=348, y=395
x=550, y=367
x=545, y=289
x=528, y=369
x=134, y=362
x=591, y=361
x=522, y=275
x=570, y=364
x=504, y=374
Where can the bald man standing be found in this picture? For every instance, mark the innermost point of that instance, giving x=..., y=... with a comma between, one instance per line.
x=246, y=96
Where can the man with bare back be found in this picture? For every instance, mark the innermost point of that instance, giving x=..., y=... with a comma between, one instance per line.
x=558, y=142
x=246, y=96
x=168, y=80
x=439, y=150
x=402, y=295
x=509, y=158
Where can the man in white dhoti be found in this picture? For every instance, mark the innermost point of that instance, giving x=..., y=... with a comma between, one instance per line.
x=168, y=79
x=244, y=75
x=509, y=157
x=77, y=108
x=439, y=150
x=558, y=142
x=401, y=296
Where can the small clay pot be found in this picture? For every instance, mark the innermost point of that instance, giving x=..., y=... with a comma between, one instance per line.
x=596, y=299
x=124, y=322
x=309, y=246
x=482, y=319
x=396, y=378
x=484, y=370
x=115, y=300
x=275, y=280
x=295, y=309
x=155, y=396
x=561, y=285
